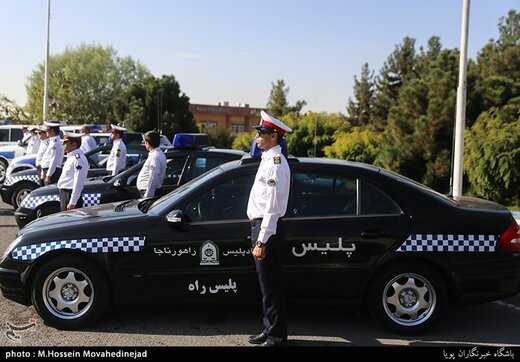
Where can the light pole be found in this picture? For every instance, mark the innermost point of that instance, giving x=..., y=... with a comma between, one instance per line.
x=460, y=120
x=159, y=109
x=46, y=76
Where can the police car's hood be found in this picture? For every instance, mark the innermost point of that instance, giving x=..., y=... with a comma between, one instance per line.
x=30, y=172
x=87, y=216
x=90, y=186
x=24, y=159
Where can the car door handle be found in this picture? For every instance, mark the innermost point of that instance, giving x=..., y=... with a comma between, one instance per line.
x=372, y=234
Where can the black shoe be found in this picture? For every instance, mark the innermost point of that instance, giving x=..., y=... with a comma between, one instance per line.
x=258, y=339
x=270, y=343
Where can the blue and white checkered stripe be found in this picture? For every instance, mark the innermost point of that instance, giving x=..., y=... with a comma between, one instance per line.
x=449, y=242
x=91, y=199
x=11, y=180
x=116, y=244
x=32, y=202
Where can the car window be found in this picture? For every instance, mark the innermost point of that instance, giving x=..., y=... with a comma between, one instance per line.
x=4, y=135
x=374, y=201
x=206, y=162
x=174, y=169
x=16, y=134
x=227, y=201
x=321, y=194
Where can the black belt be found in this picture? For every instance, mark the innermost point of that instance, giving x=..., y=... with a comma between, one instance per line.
x=255, y=222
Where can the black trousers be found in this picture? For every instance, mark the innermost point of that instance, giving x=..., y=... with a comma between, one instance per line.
x=157, y=192
x=270, y=278
x=55, y=176
x=65, y=195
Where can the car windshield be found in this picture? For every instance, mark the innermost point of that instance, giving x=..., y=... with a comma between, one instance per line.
x=164, y=202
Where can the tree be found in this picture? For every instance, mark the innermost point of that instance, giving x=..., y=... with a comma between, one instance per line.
x=277, y=104
x=359, y=110
x=221, y=138
x=312, y=132
x=493, y=155
x=83, y=83
x=11, y=111
x=398, y=69
x=154, y=103
x=360, y=145
x=243, y=141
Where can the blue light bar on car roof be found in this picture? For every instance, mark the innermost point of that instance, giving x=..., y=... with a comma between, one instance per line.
x=190, y=140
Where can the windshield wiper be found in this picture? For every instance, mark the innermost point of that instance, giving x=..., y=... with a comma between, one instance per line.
x=121, y=206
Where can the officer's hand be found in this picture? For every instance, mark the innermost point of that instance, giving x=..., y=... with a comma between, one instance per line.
x=70, y=207
x=259, y=253
x=47, y=180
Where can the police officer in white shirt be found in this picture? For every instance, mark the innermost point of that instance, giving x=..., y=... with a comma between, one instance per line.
x=267, y=205
x=151, y=176
x=44, y=143
x=87, y=141
x=74, y=173
x=53, y=155
x=117, y=159
x=34, y=141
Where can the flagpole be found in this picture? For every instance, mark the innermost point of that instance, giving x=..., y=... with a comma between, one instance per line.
x=46, y=77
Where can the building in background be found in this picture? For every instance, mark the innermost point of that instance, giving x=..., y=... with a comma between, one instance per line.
x=237, y=119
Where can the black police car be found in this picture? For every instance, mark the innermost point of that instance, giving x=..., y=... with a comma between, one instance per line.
x=183, y=164
x=353, y=231
x=18, y=185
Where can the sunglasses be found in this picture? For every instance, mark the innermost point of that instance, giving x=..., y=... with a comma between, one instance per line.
x=263, y=132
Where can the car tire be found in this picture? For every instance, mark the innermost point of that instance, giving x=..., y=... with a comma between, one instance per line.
x=21, y=191
x=408, y=298
x=3, y=170
x=69, y=292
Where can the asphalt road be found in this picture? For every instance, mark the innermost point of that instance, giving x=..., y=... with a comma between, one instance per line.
x=491, y=324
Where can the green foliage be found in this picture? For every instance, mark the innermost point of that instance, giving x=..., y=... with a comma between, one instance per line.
x=359, y=109
x=83, y=82
x=312, y=131
x=243, y=141
x=10, y=110
x=359, y=145
x=277, y=105
x=221, y=138
x=154, y=103
x=492, y=156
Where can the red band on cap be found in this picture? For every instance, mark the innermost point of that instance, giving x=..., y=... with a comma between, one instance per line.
x=273, y=126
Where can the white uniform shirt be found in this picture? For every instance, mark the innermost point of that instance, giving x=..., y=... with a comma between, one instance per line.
x=152, y=174
x=87, y=143
x=33, y=145
x=53, y=156
x=270, y=193
x=74, y=174
x=41, y=150
x=117, y=158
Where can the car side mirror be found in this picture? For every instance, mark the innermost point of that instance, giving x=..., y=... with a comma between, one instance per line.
x=175, y=217
x=118, y=184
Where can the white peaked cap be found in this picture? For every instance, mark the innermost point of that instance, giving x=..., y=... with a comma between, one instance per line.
x=52, y=123
x=117, y=128
x=272, y=123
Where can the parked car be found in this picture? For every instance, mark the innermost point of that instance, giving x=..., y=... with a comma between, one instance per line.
x=182, y=166
x=11, y=149
x=354, y=232
x=18, y=185
x=28, y=162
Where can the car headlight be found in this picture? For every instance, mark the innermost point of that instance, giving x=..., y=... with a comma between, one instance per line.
x=11, y=246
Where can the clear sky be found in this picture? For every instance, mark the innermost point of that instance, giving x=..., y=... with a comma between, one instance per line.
x=232, y=50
